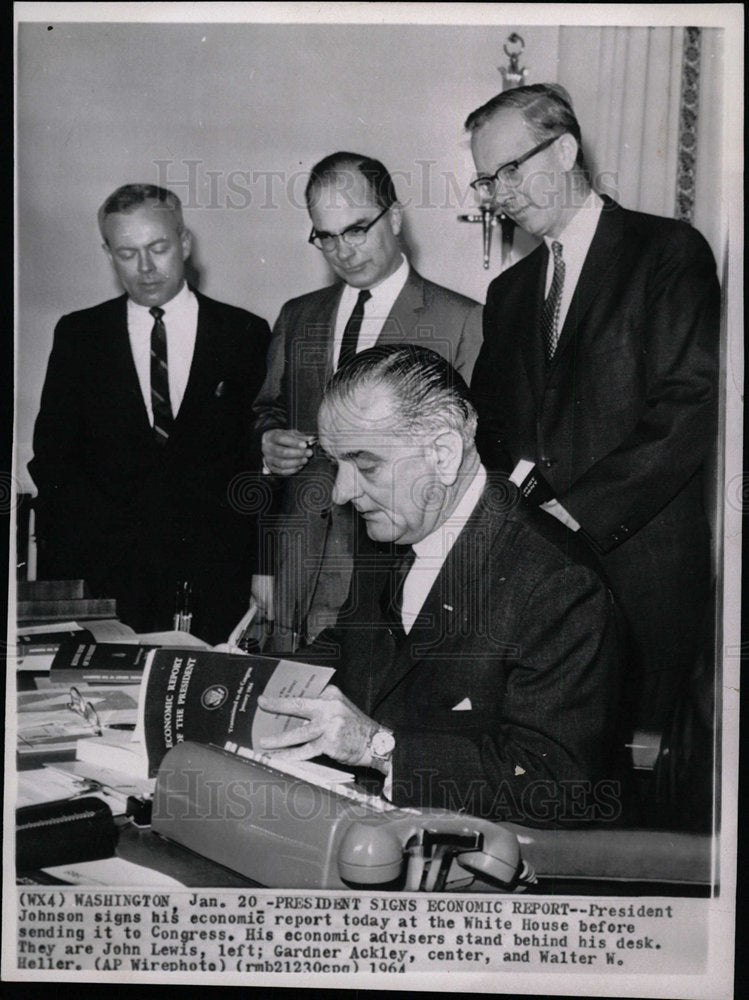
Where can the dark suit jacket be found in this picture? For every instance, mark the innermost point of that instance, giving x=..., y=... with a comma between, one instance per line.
x=109, y=497
x=622, y=421
x=518, y=628
x=299, y=365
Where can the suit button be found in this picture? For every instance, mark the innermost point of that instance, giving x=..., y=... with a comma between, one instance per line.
x=548, y=462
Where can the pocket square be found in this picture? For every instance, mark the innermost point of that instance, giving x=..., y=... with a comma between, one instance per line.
x=463, y=706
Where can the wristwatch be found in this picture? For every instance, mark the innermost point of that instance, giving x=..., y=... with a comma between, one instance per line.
x=381, y=746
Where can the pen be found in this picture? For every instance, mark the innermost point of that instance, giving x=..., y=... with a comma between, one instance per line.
x=183, y=613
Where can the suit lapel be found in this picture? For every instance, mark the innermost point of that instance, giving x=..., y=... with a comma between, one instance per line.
x=326, y=315
x=529, y=293
x=402, y=321
x=124, y=377
x=451, y=606
x=603, y=255
x=202, y=367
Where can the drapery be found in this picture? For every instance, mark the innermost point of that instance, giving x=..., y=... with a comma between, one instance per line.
x=650, y=105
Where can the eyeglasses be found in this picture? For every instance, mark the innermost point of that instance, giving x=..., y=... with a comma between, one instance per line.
x=508, y=173
x=81, y=706
x=354, y=236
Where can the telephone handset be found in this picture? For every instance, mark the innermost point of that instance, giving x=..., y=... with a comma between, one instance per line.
x=434, y=846
x=284, y=832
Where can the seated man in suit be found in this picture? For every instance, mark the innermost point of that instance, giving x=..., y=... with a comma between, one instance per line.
x=380, y=298
x=488, y=678
x=143, y=435
x=599, y=365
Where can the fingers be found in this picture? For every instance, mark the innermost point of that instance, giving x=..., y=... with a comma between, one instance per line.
x=303, y=708
x=298, y=736
x=286, y=451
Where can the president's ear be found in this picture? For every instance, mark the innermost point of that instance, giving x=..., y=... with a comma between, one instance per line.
x=567, y=148
x=185, y=239
x=448, y=450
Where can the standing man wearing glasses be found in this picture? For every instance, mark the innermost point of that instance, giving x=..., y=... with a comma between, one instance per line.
x=599, y=366
x=356, y=221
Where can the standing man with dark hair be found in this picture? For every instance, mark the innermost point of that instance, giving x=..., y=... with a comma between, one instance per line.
x=599, y=367
x=143, y=428
x=482, y=672
x=356, y=220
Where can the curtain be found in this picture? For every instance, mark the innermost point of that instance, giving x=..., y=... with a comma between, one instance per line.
x=649, y=104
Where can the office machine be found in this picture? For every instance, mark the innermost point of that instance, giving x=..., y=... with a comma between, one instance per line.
x=285, y=832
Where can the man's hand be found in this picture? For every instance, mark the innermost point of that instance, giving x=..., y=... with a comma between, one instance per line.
x=334, y=726
x=261, y=590
x=286, y=451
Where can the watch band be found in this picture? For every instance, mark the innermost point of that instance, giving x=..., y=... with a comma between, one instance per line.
x=381, y=746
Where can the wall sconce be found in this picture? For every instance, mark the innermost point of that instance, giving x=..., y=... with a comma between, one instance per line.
x=513, y=75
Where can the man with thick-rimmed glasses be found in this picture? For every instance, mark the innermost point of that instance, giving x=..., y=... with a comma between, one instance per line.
x=599, y=367
x=379, y=298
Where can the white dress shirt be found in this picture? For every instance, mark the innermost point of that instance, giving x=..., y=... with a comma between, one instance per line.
x=376, y=310
x=432, y=551
x=575, y=239
x=181, y=323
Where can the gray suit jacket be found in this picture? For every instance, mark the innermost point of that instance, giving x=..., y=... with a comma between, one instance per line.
x=305, y=526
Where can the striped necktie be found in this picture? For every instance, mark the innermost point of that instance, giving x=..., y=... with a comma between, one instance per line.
x=553, y=304
x=350, y=340
x=160, y=404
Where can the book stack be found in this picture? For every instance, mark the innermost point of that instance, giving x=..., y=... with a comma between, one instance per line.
x=44, y=601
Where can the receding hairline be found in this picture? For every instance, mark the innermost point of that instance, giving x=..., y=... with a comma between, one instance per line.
x=130, y=198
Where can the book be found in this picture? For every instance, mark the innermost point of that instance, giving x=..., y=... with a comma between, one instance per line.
x=48, y=725
x=532, y=485
x=60, y=609
x=37, y=645
x=117, y=751
x=51, y=590
x=207, y=697
x=83, y=662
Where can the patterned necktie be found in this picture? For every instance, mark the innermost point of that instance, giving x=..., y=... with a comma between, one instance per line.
x=351, y=333
x=160, y=404
x=552, y=305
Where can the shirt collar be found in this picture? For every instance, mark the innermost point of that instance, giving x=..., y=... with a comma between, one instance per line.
x=580, y=229
x=386, y=291
x=442, y=539
x=174, y=308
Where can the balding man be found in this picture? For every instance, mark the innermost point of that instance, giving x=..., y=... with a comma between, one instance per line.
x=143, y=441
x=378, y=299
x=477, y=660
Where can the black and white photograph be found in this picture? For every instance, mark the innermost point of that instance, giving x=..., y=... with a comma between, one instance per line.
x=376, y=497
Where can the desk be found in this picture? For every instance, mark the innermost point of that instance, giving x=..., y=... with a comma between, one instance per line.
x=602, y=860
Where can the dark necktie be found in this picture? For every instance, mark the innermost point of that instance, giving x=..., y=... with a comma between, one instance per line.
x=552, y=305
x=400, y=569
x=351, y=333
x=162, y=408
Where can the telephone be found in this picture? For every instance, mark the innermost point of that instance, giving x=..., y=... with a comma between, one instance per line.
x=285, y=832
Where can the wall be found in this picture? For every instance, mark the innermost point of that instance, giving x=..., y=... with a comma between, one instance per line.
x=231, y=117
x=212, y=111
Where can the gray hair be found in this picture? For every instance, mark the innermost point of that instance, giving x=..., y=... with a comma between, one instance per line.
x=428, y=393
